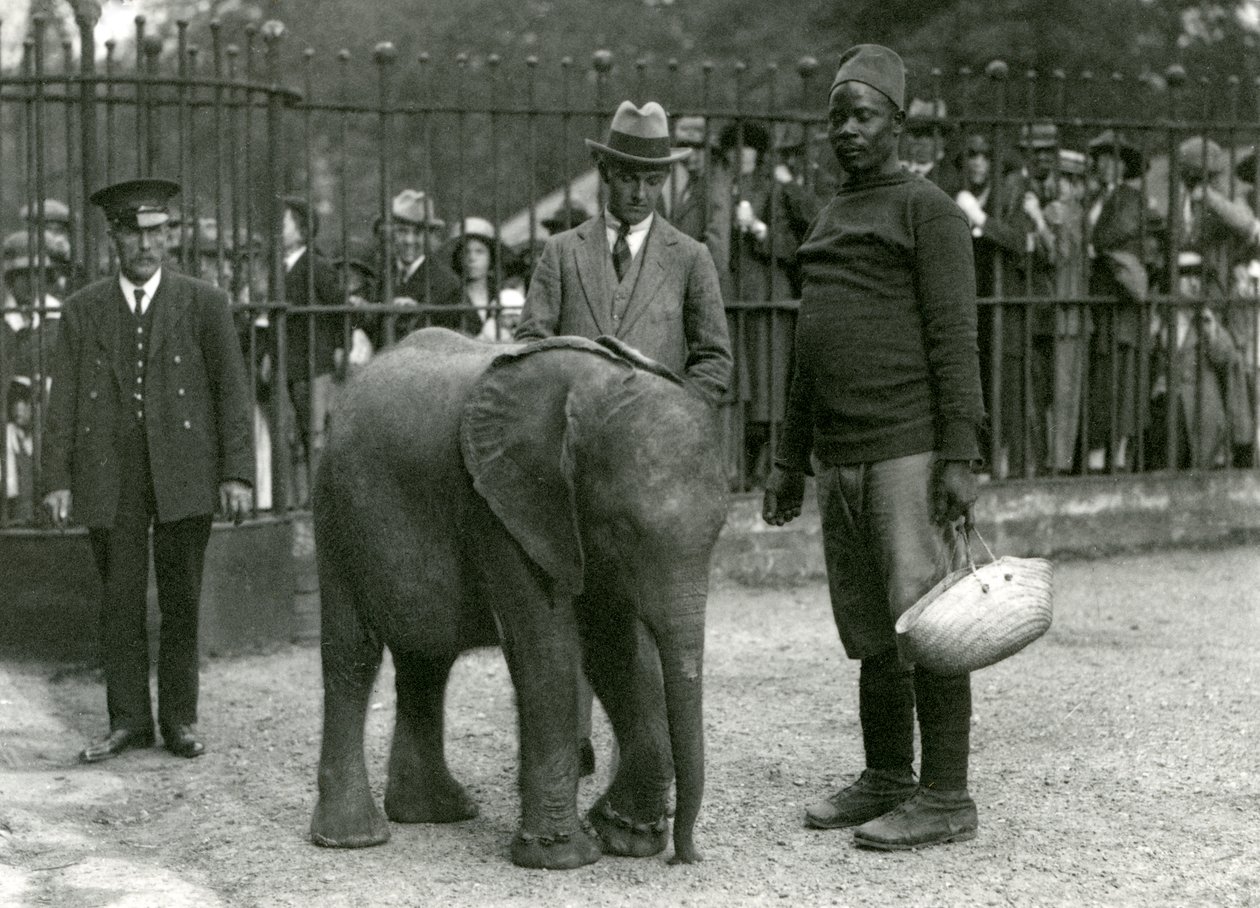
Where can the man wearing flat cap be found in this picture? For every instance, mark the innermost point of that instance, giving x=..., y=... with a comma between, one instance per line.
x=148, y=427
x=884, y=409
x=630, y=274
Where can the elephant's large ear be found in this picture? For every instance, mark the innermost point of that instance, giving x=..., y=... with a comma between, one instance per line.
x=516, y=438
x=635, y=358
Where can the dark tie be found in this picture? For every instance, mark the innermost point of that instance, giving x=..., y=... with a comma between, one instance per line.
x=139, y=301
x=621, y=251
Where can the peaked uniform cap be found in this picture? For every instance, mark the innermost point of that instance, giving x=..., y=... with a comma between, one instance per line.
x=877, y=66
x=136, y=203
x=639, y=136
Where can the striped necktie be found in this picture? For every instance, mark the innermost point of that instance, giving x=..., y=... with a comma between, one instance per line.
x=621, y=251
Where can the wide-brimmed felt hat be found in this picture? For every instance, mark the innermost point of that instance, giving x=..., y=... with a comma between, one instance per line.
x=1109, y=141
x=877, y=66
x=416, y=207
x=1198, y=155
x=639, y=136
x=136, y=203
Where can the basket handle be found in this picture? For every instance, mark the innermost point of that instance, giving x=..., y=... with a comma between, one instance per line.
x=969, y=527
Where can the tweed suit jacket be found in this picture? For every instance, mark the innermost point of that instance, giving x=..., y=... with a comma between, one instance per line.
x=674, y=315
x=197, y=410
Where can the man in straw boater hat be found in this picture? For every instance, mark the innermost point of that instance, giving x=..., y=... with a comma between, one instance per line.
x=886, y=398
x=149, y=426
x=630, y=274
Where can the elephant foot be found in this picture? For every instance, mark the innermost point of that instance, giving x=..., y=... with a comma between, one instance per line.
x=563, y=851
x=428, y=803
x=348, y=822
x=621, y=835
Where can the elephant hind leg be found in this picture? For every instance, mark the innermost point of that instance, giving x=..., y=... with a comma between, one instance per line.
x=345, y=814
x=420, y=787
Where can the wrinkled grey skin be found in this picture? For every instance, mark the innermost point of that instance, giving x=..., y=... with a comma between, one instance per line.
x=587, y=544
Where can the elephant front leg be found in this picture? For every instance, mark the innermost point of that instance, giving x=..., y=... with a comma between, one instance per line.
x=624, y=668
x=543, y=657
x=420, y=787
x=345, y=814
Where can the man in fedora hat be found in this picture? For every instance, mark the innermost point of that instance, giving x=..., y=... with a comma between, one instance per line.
x=885, y=407
x=632, y=275
x=415, y=252
x=149, y=426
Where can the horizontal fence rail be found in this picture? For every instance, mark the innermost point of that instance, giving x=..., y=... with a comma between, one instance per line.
x=1113, y=337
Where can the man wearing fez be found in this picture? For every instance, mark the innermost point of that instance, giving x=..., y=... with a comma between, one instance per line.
x=886, y=398
x=149, y=426
x=632, y=275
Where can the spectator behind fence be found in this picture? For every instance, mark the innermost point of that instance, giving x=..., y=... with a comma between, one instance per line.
x=31, y=321
x=886, y=402
x=1199, y=375
x=311, y=340
x=630, y=274
x=56, y=225
x=421, y=272
x=772, y=212
x=357, y=272
x=925, y=145
x=478, y=260
x=1040, y=205
x=19, y=452
x=998, y=248
x=148, y=428
x=696, y=195
x=1123, y=241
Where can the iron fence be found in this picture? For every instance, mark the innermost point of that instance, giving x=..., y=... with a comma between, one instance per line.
x=1083, y=372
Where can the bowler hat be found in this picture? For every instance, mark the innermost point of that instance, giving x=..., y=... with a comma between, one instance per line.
x=877, y=66
x=136, y=203
x=1038, y=135
x=639, y=136
x=568, y=215
x=1114, y=143
x=55, y=212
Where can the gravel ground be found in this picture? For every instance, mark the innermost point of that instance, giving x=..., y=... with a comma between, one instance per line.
x=1114, y=763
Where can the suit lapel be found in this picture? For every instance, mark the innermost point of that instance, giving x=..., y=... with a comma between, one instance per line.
x=591, y=254
x=657, y=253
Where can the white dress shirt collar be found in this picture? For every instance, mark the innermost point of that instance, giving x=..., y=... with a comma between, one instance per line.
x=290, y=258
x=149, y=287
x=634, y=239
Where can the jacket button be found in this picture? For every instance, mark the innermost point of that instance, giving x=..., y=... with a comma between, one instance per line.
x=87, y=430
x=181, y=392
x=187, y=424
x=92, y=395
x=177, y=360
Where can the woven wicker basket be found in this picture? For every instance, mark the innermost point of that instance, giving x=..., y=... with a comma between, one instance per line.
x=977, y=616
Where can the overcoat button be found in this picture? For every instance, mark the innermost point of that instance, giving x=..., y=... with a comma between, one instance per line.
x=177, y=360
x=87, y=430
x=181, y=392
x=92, y=395
x=187, y=424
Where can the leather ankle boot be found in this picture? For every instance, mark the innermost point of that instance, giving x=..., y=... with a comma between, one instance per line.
x=928, y=818
x=875, y=792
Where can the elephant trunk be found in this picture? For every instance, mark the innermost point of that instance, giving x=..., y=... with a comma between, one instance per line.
x=679, y=630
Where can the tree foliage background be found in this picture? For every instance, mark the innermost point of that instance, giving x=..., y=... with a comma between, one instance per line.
x=715, y=55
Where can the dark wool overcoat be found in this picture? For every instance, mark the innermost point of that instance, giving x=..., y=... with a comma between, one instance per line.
x=197, y=408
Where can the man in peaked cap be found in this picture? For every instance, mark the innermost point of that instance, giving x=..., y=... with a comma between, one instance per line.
x=631, y=274
x=884, y=408
x=148, y=426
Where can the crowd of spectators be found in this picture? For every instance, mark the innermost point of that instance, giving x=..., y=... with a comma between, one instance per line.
x=1079, y=378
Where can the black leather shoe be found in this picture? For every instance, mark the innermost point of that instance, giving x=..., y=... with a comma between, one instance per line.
x=114, y=743
x=875, y=792
x=182, y=742
x=929, y=818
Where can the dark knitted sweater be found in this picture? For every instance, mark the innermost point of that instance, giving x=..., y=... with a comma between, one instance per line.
x=886, y=356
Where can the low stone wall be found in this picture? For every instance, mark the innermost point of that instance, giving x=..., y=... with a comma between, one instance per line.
x=1076, y=517
x=261, y=586
x=49, y=592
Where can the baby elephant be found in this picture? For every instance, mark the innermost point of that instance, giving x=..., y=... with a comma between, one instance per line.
x=560, y=499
